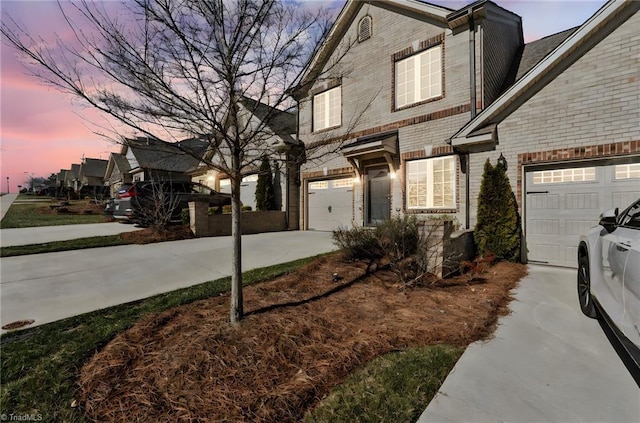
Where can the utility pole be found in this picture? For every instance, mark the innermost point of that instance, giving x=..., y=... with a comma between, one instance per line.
x=8, y=192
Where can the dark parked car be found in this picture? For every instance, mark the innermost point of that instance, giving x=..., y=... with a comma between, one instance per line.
x=609, y=281
x=143, y=201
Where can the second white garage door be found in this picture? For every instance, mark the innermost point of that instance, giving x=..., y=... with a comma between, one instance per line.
x=329, y=204
x=562, y=204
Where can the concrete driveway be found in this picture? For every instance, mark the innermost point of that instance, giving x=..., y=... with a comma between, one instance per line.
x=53, y=286
x=546, y=363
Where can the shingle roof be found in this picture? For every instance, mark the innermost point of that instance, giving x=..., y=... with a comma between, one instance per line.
x=94, y=168
x=121, y=162
x=73, y=172
x=280, y=122
x=152, y=153
x=532, y=53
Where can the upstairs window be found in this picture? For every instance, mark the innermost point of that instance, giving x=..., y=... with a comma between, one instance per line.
x=364, y=28
x=327, y=109
x=419, y=77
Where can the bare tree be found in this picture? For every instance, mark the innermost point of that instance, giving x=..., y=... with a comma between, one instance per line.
x=184, y=68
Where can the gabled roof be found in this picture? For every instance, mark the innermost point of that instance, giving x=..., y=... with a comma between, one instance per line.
x=344, y=21
x=532, y=53
x=117, y=161
x=280, y=122
x=152, y=153
x=73, y=173
x=574, y=46
x=93, y=168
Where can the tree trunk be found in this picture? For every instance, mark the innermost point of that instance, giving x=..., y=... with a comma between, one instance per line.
x=236, y=261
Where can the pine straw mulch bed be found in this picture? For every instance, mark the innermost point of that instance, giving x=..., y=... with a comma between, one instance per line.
x=149, y=235
x=302, y=335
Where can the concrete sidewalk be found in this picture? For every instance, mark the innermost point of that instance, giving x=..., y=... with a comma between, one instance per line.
x=42, y=234
x=53, y=286
x=5, y=203
x=546, y=363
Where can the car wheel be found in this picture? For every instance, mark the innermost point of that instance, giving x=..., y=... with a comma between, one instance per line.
x=584, y=288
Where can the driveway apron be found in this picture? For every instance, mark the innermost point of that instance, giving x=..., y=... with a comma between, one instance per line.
x=546, y=363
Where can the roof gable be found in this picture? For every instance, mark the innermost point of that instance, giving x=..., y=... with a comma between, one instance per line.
x=413, y=8
x=556, y=61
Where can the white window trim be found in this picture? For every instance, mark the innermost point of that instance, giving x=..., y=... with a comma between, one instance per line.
x=434, y=78
x=427, y=179
x=323, y=103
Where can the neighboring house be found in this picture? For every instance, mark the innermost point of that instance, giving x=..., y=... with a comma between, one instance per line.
x=91, y=177
x=72, y=178
x=151, y=158
x=61, y=178
x=117, y=172
x=404, y=85
x=569, y=128
x=278, y=141
x=445, y=91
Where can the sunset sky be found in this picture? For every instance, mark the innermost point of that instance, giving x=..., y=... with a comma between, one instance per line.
x=43, y=131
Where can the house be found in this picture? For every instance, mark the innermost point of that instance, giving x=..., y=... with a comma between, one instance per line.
x=276, y=138
x=404, y=85
x=569, y=128
x=72, y=178
x=117, y=172
x=423, y=95
x=91, y=177
x=148, y=158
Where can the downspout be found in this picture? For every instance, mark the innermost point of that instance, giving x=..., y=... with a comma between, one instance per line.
x=472, y=101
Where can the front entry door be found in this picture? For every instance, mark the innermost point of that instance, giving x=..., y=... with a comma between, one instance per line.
x=378, y=198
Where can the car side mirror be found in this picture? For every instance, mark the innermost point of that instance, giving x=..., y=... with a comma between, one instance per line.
x=609, y=220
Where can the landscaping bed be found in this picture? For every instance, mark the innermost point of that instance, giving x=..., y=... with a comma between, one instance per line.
x=304, y=333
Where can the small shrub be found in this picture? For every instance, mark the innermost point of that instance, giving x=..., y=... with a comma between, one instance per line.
x=358, y=243
x=213, y=211
x=185, y=217
x=226, y=209
x=398, y=237
x=246, y=208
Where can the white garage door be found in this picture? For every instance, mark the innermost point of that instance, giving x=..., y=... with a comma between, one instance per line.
x=330, y=204
x=562, y=204
x=247, y=190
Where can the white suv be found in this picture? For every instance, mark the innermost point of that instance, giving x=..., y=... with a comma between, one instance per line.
x=609, y=280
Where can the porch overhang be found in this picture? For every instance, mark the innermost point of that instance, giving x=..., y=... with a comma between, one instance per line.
x=485, y=138
x=373, y=147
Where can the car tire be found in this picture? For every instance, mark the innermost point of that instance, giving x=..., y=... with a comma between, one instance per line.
x=584, y=288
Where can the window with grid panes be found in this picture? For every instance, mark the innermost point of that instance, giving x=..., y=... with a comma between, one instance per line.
x=419, y=77
x=431, y=183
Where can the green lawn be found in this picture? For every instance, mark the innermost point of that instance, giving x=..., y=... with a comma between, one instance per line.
x=396, y=387
x=55, y=246
x=30, y=215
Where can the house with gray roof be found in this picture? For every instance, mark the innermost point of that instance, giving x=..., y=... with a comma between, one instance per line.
x=278, y=142
x=425, y=95
x=91, y=177
x=117, y=172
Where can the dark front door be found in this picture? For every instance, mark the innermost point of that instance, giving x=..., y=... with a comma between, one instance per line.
x=378, y=198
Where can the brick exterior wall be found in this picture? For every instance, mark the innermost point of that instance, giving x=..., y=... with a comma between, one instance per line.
x=203, y=225
x=590, y=111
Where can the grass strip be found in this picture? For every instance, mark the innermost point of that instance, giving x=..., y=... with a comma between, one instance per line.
x=395, y=387
x=39, y=366
x=29, y=215
x=56, y=246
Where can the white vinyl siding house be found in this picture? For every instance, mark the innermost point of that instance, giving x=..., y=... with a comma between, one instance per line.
x=327, y=109
x=431, y=183
x=419, y=77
